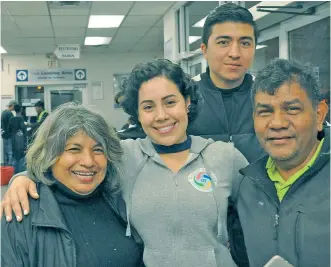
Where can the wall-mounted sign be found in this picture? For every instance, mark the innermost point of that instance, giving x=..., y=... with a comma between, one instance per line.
x=67, y=51
x=44, y=75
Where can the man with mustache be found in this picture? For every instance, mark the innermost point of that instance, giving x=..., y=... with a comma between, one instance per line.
x=228, y=44
x=283, y=199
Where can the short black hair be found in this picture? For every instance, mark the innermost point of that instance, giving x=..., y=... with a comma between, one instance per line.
x=281, y=71
x=228, y=12
x=17, y=108
x=40, y=104
x=143, y=72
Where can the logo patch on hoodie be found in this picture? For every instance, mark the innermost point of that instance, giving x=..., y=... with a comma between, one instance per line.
x=201, y=180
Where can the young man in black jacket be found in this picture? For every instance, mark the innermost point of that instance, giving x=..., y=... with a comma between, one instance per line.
x=228, y=44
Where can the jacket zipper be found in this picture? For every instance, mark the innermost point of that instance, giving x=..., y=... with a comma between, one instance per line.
x=230, y=139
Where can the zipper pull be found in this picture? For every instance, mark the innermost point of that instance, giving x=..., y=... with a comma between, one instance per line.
x=276, y=226
x=230, y=141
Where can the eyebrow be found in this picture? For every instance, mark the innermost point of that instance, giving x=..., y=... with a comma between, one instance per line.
x=163, y=98
x=76, y=144
x=229, y=37
x=259, y=105
x=291, y=102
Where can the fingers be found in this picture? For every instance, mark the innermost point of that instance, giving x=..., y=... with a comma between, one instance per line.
x=14, y=204
x=33, y=190
x=5, y=207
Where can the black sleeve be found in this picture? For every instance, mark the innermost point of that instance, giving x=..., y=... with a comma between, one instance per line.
x=236, y=237
x=10, y=126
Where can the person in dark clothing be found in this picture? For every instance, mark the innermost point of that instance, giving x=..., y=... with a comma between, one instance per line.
x=42, y=115
x=80, y=217
x=228, y=44
x=6, y=115
x=18, y=135
x=283, y=199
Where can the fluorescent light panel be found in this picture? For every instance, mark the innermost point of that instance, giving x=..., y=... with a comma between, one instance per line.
x=260, y=46
x=2, y=50
x=105, y=21
x=192, y=39
x=256, y=14
x=97, y=40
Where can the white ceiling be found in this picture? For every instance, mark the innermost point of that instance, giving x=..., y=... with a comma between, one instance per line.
x=37, y=27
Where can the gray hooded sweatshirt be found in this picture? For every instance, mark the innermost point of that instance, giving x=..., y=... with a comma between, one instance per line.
x=181, y=217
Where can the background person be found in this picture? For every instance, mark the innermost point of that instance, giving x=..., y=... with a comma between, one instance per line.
x=6, y=115
x=283, y=199
x=228, y=44
x=79, y=219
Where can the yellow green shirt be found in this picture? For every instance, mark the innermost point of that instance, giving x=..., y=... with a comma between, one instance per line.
x=283, y=186
x=41, y=115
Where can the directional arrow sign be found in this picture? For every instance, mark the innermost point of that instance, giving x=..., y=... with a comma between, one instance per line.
x=21, y=75
x=80, y=74
x=67, y=51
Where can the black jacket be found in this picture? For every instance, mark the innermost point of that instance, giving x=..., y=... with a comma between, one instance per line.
x=298, y=228
x=42, y=238
x=212, y=121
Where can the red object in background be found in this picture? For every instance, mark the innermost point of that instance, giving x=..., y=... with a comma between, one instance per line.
x=7, y=172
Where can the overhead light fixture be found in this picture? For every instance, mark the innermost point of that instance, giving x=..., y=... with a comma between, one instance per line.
x=97, y=40
x=260, y=46
x=192, y=39
x=200, y=23
x=2, y=50
x=105, y=21
x=258, y=14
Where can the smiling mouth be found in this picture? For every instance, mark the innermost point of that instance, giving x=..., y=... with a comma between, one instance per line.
x=84, y=176
x=166, y=129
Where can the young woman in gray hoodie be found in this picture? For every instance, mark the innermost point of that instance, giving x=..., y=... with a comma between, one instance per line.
x=175, y=186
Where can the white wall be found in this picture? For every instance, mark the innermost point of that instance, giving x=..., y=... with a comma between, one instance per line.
x=100, y=67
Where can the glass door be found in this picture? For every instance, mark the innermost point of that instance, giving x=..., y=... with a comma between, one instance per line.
x=57, y=95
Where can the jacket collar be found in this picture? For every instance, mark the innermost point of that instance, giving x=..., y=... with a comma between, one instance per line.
x=257, y=169
x=49, y=213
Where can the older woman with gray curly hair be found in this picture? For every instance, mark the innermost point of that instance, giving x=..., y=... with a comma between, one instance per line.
x=79, y=219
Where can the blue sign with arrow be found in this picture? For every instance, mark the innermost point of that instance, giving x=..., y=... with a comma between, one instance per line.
x=80, y=74
x=22, y=75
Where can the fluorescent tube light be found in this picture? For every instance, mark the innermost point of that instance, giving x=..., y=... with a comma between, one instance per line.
x=258, y=14
x=200, y=23
x=2, y=50
x=97, y=40
x=105, y=21
x=260, y=46
x=192, y=39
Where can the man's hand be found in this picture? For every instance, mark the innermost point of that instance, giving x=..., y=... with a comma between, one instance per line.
x=16, y=198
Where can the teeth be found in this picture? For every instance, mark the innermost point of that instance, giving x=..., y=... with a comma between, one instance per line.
x=84, y=173
x=164, y=129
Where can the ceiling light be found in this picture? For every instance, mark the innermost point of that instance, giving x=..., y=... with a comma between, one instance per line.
x=102, y=21
x=200, y=23
x=2, y=51
x=192, y=39
x=260, y=46
x=97, y=40
x=258, y=14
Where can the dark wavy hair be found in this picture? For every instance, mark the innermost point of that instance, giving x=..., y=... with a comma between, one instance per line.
x=143, y=72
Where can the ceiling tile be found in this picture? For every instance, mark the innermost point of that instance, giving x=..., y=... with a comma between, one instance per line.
x=83, y=8
x=8, y=23
x=69, y=31
x=101, y=32
x=41, y=32
x=70, y=21
x=140, y=21
x=111, y=8
x=26, y=8
x=150, y=7
x=128, y=33
x=60, y=41
x=34, y=22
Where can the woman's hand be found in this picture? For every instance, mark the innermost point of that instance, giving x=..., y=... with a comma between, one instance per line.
x=17, y=196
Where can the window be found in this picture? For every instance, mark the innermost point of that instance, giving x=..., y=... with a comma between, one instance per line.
x=311, y=44
x=265, y=52
x=195, y=13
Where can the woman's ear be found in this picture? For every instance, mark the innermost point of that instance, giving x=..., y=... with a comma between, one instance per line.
x=187, y=104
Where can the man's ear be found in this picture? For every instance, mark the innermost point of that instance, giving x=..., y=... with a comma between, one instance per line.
x=203, y=48
x=321, y=112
